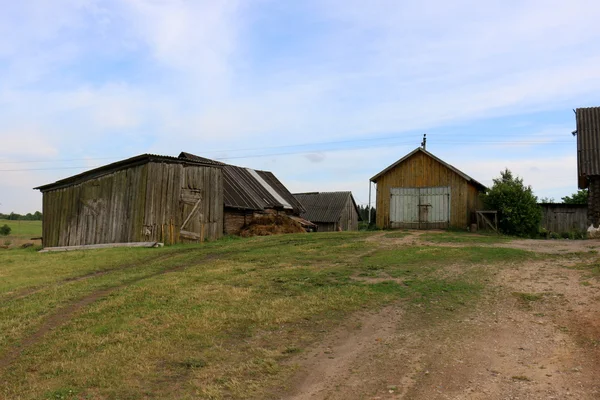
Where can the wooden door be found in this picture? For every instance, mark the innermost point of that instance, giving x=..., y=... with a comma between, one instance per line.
x=420, y=208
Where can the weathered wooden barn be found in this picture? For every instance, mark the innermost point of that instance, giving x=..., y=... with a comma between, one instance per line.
x=141, y=199
x=420, y=191
x=249, y=193
x=330, y=211
x=562, y=218
x=588, y=162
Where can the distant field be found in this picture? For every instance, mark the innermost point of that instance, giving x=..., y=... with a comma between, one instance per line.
x=23, y=229
x=213, y=321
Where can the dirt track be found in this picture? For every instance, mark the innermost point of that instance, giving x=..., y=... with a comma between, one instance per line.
x=503, y=349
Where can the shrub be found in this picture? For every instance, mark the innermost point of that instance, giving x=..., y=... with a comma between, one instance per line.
x=518, y=212
x=5, y=230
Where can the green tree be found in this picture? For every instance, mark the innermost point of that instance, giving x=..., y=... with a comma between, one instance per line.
x=4, y=230
x=518, y=212
x=581, y=197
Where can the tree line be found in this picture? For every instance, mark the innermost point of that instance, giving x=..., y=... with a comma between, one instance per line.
x=36, y=216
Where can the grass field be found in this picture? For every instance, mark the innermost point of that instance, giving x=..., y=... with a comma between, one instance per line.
x=23, y=228
x=211, y=321
x=21, y=232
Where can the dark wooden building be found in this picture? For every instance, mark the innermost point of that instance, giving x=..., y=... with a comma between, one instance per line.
x=248, y=193
x=141, y=199
x=588, y=162
x=330, y=211
x=420, y=191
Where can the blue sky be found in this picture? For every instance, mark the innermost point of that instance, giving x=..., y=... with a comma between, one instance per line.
x=323, y=93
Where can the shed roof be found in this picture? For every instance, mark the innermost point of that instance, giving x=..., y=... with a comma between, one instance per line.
x=588, y=144
x=420, y=149
x=325, y=206
x=249, y=189
x=127, y=163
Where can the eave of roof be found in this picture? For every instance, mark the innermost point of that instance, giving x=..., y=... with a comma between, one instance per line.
x=420, y=149
x=109, y=168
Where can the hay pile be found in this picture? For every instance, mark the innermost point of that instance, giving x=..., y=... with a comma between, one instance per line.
x=269, y=224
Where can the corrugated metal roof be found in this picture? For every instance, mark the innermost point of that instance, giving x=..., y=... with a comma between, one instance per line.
x=420, y=149
x=588, y=144
x=242, y=189
x=193, y=157
x=325, y=206
x=109, y=168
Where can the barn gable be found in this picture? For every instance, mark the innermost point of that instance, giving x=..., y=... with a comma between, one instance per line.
x=422, y=191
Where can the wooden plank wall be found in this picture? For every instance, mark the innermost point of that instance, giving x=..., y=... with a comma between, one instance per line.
x=349, y=218
x=562, y=218
x=140, y=203
x=419, y=171
x=170, y=193
x=108, y=209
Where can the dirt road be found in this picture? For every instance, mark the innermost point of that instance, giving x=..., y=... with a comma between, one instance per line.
x=534, y=335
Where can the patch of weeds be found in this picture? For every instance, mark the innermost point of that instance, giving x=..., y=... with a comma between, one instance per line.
x=585, y=283
x=61, y=394
x=291, y=350
x=592, y=268
x=395, y=235
x=522, y=378
x=463, y=237
x=193, y=364
x=528, y=297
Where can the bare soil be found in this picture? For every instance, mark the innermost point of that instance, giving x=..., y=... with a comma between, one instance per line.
x=534, y=335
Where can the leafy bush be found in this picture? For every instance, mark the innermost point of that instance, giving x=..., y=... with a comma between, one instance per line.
x=518, y=212
x=5, y=230
x=581, y=197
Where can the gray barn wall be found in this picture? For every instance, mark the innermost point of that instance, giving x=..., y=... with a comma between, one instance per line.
x=146, y=202
x=562, y=218
x=349, y=218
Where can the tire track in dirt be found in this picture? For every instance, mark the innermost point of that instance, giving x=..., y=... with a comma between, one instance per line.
x=64, y=314
x=29, y=291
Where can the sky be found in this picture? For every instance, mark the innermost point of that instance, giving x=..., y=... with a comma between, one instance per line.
x=323, y=93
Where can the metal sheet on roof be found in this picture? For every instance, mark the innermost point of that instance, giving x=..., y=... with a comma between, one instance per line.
x=269, y=189
x=324, y=206
x=249, y=189
x=588, y=144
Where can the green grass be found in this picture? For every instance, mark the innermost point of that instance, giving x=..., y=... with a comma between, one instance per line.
x=23, y=229
x=221, y=326
x=464, y=237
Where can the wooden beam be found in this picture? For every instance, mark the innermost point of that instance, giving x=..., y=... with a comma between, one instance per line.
x=102, y=246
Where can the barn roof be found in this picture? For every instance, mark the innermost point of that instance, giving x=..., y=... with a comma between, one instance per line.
x=420, y=149
x=249, y=189
x=109, y=168
x=325, y=206
x=588, y=144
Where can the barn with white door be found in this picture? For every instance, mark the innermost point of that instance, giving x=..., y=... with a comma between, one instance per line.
x=420, y=191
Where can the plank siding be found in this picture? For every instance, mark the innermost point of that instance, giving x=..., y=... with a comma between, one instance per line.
x=420, y=171
x=563, y=218
x=133, y=204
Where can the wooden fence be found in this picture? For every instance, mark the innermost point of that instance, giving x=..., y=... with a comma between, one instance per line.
x=560, y=218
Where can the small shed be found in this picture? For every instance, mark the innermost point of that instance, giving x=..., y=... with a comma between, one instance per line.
x=140, y=199
x=420, y=191
x=249, y=193
x=588, y=161
x=330, y=211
